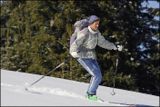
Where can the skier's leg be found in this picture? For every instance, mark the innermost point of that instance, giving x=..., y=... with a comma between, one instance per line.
x=92, y=67
x=96, y=78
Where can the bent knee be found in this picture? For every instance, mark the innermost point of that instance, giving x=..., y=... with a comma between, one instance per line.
x=98, y=77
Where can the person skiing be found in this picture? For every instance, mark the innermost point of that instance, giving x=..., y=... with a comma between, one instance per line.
x=83, y=49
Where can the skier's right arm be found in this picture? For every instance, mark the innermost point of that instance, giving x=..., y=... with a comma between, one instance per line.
x=74, y=48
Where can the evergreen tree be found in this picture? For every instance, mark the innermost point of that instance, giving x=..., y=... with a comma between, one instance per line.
x=35, y=38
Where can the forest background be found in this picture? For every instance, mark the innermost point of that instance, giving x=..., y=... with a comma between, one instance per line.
x=35, y=38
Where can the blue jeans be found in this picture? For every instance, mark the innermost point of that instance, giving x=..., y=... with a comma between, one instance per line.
x=92, y=67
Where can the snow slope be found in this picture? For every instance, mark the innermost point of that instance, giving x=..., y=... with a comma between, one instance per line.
x=52, y=91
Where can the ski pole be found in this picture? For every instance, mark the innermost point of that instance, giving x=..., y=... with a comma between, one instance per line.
x=114, y=83
x=48, y=73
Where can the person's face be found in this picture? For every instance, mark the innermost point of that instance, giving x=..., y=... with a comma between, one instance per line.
x=95, y=25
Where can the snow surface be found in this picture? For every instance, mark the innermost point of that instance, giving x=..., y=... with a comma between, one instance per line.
x=51, y=91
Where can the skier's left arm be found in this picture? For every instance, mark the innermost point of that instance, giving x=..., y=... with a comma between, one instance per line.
x=102, y=42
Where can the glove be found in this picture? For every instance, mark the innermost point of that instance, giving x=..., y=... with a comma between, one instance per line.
x=115, y=48
x=74, y=54
x=119, y=47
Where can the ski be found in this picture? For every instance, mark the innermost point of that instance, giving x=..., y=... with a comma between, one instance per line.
x=130, y=105
x=99, y=100
x=125, y=104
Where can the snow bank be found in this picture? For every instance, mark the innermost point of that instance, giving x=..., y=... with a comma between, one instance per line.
x=60, y=92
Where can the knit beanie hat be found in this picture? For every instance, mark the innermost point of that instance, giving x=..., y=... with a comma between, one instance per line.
x=93, y=18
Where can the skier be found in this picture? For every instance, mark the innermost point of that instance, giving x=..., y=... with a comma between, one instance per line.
x=83, y=49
